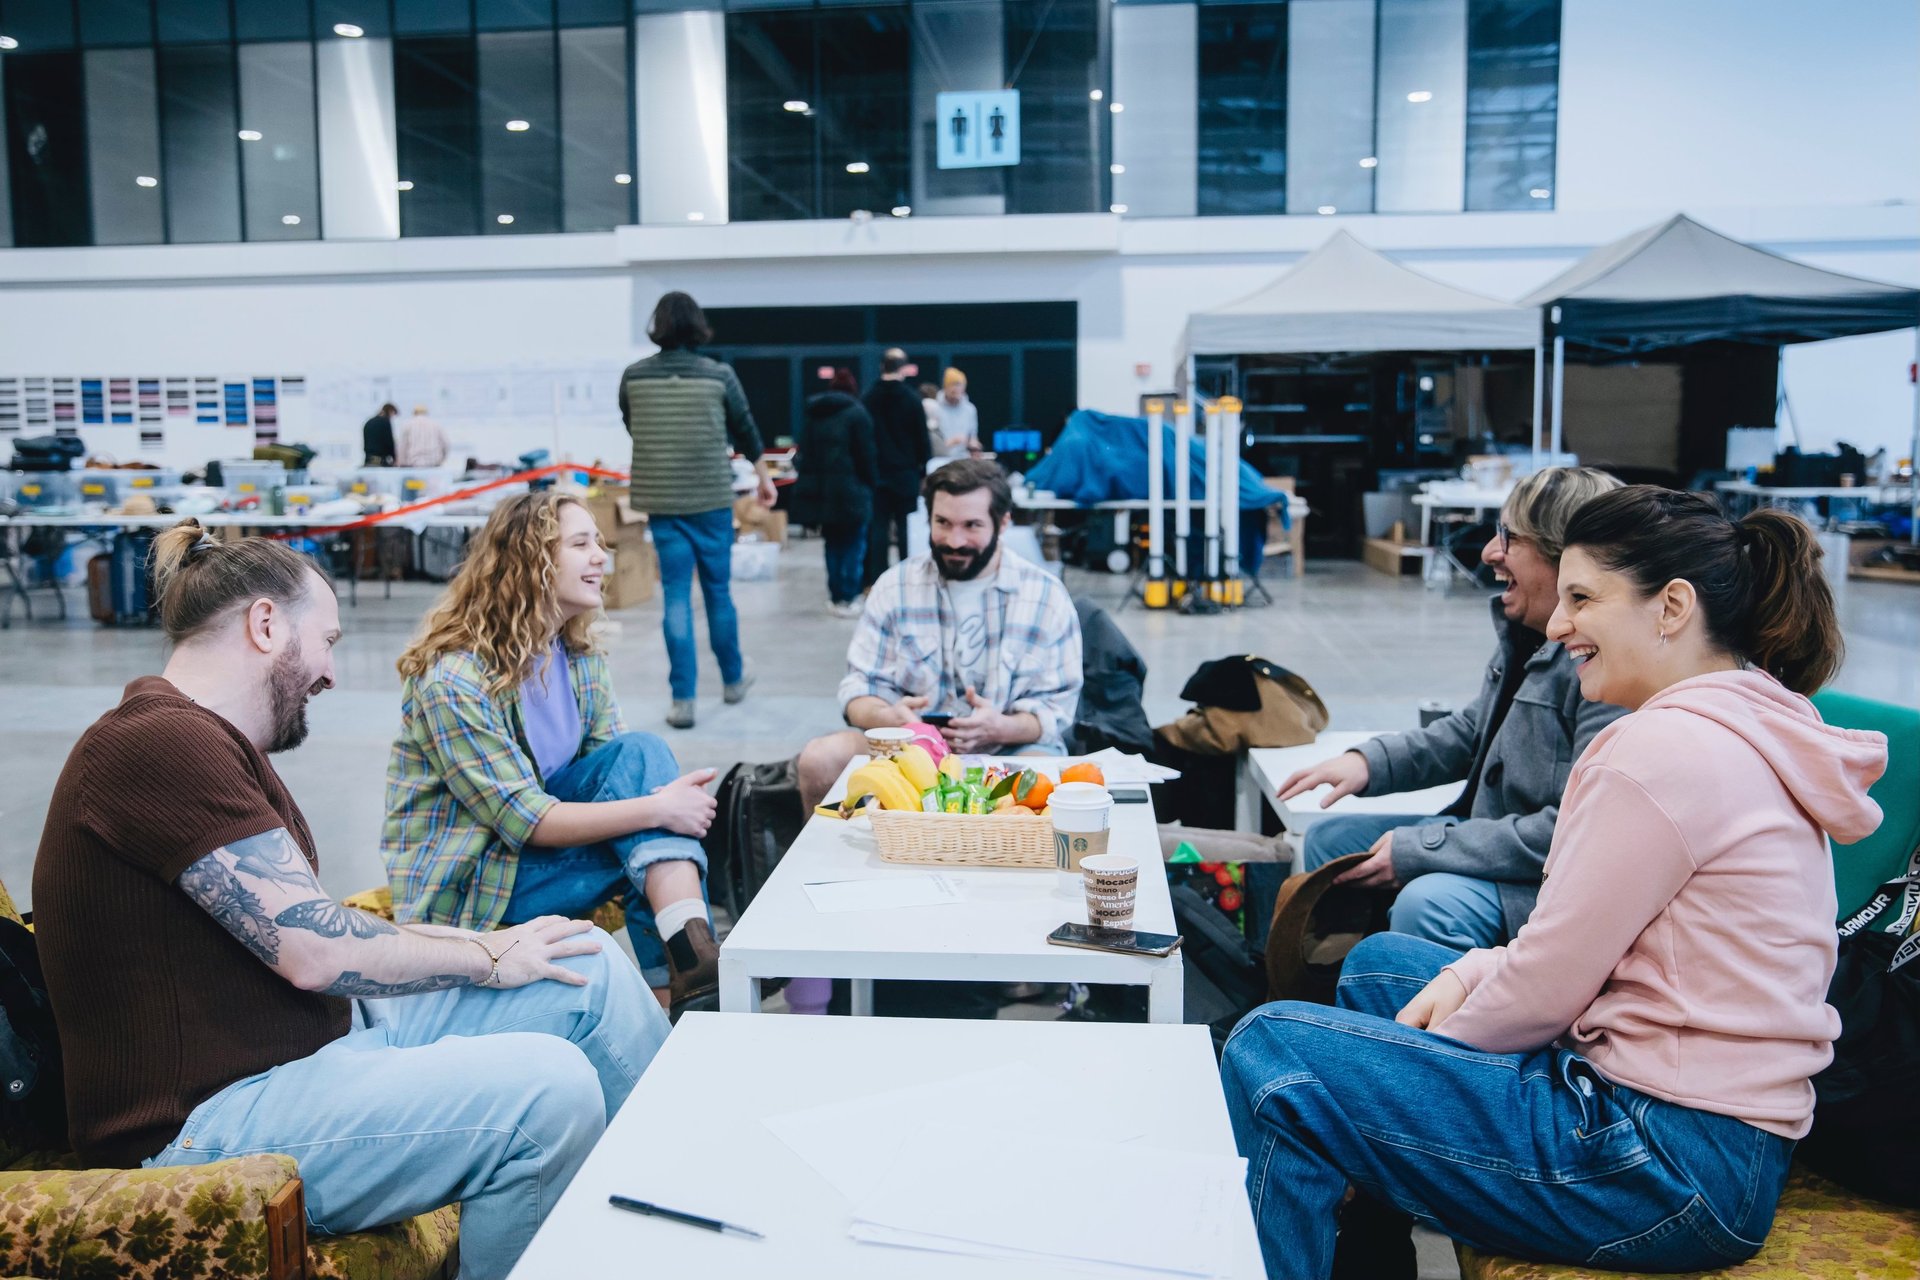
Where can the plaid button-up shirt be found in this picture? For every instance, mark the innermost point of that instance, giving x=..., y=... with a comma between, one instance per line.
x=463, y=794
x=906, y=645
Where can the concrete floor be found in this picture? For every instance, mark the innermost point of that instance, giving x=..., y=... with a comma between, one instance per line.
x=1374, y=647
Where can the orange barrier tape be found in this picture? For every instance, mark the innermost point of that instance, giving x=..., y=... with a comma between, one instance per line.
x=457, y=495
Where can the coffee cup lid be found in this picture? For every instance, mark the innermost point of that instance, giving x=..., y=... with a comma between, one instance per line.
x=890, y=734
x=1080, y=795
x=1109, y=863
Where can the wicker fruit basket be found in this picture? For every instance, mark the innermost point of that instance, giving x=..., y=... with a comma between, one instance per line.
x=966, y=840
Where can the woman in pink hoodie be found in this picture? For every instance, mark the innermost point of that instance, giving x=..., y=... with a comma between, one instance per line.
x=1622, y=1085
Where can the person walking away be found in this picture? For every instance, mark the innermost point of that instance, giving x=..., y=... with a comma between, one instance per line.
x=835, y=459
x=376, y=437
x=424, y=442
x=959, y=419
x=901, y=448
x=683, y=411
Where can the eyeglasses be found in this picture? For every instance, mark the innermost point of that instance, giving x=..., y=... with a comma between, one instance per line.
x=1506, y=537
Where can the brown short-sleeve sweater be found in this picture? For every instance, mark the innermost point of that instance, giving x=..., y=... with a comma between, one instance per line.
x=159, y=1007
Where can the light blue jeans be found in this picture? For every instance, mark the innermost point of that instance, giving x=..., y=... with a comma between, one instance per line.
x=1535, y=1154
x=1457, y=911
x=491, y=1098
x=704, y=544
x=572, y=882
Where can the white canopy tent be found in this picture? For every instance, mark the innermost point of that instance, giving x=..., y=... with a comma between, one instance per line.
x=1346, y=297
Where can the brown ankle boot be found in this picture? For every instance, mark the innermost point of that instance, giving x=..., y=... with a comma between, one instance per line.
x=693, y=958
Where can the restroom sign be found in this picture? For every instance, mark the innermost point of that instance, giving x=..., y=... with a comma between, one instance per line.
x=977, y=130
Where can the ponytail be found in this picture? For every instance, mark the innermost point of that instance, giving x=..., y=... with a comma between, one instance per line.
x=197, y=580
x=1761, y=593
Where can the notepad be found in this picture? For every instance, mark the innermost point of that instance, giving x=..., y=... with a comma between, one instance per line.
x=884, y=893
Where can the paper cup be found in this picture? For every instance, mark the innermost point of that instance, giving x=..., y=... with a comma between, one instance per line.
x=885, y=744
x=1082, y=818
x=1112, y=881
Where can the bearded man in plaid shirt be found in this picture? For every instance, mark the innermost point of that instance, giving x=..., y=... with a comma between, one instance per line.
x=964, y=630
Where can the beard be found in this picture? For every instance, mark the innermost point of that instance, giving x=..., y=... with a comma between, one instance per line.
x=976, y=560
x=288, y=689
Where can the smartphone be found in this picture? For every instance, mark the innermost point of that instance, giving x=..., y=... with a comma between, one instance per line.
x=1125, y=941
x=937, y=721
x=1128, y=797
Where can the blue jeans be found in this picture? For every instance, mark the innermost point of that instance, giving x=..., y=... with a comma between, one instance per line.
x=1528, y=1154
x=572, y=882
x=491, y=1098
x=686, y=544
x=846, y=560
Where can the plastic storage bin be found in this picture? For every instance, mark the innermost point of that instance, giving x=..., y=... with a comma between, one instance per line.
x=46, y=488
x=403, y=484
x=245, y=478
x=115, y=487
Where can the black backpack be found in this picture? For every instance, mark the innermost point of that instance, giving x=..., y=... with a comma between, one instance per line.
x=758, y=819
x=33, y=1097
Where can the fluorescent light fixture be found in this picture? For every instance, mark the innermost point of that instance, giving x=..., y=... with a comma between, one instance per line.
x=1116, y=208
x=403, y=185
x=696, y=216
x=1420, y=95
x=1541, y=193
x=623, y=178
x=1369, y=162
x=902, y=210
x=1116, y=107
x=858, y=166
x=518, y=126
x=1327, y=210
x=1096, y=95
x=505, y=219
x=1116, y=168
x=145, y=181
x=249, y=135
x=348, y=30
x=794, y=105
x=289, y=219
x=8, y=42
x=1426, y=382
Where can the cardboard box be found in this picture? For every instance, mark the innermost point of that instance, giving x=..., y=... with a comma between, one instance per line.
x=630, y=578
x=1396, y=559
x=750, y=517
x=612, y=512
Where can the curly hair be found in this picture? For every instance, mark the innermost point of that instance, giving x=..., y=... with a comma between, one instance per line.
x=501, y=605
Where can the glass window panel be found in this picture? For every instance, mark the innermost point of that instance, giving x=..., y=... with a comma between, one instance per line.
x=123, y=135
x=198, y=132
x=595, y=142
x=111, y=22
x=46, y=148
x=512, y=15
x=1054, y=60
x=770, y=63
x=1242, y=109
x=519, y=168
x=1330, y=105
x=1156, y=66
x=39, y=25
x=433, y=92
x=1421, y=107
x=680, y=109
x=595, y=13
x=6, y=183
x=368, y=15
x=272, y=19
x=958, y=46
x=864, y=116
x=432, y=17
x=1513, y=102
x=186, y=21
x=279, y=171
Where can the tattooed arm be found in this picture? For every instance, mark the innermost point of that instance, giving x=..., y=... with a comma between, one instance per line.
x=262, y=891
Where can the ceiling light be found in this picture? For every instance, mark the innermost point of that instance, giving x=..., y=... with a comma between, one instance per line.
x=1541, y=193
x=1426, y=382
x=1369, y=162
x=505, y=219
x=8, y=42
x=403, y=185
x=696, y=216
x=1420, y=95
x=858, y=166
x=1116, y=208
x=623, y=178
x=793, y=104
x=289, y=219
x=1116, y=107
x=249, y=135
x=902, y=210
x=518, y=126
x=145, y=181
x=1096, y=95
x=348, y=30
x=1327, y=210
x=1116, y=168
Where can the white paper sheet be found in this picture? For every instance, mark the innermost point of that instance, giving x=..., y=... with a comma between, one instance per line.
x=1119, y=767
x=883, y=893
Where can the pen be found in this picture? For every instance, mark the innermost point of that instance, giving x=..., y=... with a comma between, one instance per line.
x=674, y=1215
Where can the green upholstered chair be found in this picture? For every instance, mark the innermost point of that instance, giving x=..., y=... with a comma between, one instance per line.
x=241, y=1219
x=1822, y=1231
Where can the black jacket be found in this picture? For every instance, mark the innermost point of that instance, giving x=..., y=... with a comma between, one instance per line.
x=900, y=441
x=376, y=439
x=834, y=456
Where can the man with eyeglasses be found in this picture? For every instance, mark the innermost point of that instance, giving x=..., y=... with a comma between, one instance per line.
x=1469, y=876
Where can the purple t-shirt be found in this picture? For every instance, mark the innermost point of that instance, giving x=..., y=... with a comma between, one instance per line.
x=551, y=713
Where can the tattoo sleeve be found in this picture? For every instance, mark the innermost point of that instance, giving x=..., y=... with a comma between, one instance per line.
x=358, y=986
x=212, y=883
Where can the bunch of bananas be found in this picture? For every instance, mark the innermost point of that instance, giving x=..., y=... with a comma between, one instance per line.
x=898, y=783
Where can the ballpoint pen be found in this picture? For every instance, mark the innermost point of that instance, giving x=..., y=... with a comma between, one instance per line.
x=674, y=1215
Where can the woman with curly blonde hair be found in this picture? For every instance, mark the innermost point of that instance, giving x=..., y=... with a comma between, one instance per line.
x=514, y=789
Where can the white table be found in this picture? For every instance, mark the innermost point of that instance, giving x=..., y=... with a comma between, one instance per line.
x=1267, y=767
x=691, y=1137
x=1456, y=496
x=997, y=934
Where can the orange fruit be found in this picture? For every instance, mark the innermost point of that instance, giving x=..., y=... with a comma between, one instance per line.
x=1032, y=789
x=1085, y=771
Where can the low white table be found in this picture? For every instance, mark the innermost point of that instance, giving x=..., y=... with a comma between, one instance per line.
x=997, y=934
x=691, y=1138
x=1267, y=767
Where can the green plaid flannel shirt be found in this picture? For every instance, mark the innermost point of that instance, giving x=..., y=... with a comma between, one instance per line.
x=463, y=795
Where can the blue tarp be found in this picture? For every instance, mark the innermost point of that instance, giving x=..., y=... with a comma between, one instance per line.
x=1101, y=457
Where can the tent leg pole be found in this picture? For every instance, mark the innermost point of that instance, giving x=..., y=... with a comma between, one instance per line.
x=1913, y=456
x=1559, y=396
x=1539, y=398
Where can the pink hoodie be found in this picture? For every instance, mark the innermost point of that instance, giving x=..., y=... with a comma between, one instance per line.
x=1684, y=937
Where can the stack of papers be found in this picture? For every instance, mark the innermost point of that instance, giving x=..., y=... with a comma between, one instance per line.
x=1119, y=767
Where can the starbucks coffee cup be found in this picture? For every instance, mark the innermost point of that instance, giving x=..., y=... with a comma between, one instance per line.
x=1082, y=819
x=885, y=744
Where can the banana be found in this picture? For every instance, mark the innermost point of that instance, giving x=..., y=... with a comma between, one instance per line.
x=916, y=766
x=883, y=780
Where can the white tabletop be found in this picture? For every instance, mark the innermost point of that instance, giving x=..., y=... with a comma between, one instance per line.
x=1859, y=492
x=998, y=933
x=1268, y=767
x=1296, y=505
x=1462, y=495
x=691, y=1137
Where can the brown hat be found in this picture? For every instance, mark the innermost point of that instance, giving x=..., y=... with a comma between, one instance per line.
x=1315, y=924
